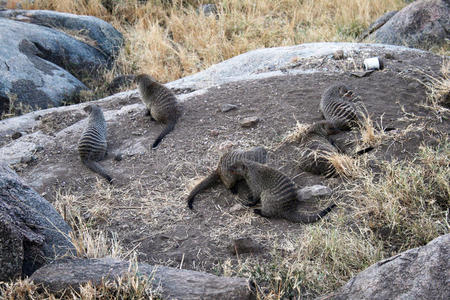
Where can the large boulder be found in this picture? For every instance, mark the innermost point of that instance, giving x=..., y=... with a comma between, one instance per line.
x=268, y=62
x=422, y=24
x=99, y=33
x=37, y=60
x=419, y=273
x=172, y=283
x=32, y=232
x=377, y=24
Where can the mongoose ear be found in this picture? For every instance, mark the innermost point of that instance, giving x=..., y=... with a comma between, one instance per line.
x=348, y=94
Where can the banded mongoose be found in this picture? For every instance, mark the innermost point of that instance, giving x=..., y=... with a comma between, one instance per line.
x=277, y=193
x=336, y=108
x=316, y=147
x=161, y=104
x=92, y=145
x=258, y=154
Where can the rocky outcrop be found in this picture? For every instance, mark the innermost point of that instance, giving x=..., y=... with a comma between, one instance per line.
x=377, y=24
x=38, y=56
x=171, y=283
x=419, y=273
x=31, y=231
x=279, y=61
x=98, y=33
x=422, y=24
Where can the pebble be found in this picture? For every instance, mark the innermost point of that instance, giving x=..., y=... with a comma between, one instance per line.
x=249, y=122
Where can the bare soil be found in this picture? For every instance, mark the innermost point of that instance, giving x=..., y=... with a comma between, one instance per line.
x=146, y=204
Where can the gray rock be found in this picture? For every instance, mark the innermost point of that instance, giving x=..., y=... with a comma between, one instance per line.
x=31, y=230
x=208, y=9
x=422, y=24
x=249, y=122
x=419, y=273
x=269, y=62
x=338, y=55
x=100, y=33
x=173, y=283
x=227, y=107
x=314, y=191
x=377, y=24
x=37, y=62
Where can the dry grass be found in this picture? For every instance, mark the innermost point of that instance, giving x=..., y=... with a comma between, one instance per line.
x=128, y=286
x=439, y=88
x=345, y=166
x=324, y=259
x=409, y=205
x=296, y=134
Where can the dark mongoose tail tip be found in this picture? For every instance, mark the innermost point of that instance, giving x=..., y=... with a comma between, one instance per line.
x=170, y=126
x=95, y=167
x=205, y=183
x=365, y=150
x=327, y=210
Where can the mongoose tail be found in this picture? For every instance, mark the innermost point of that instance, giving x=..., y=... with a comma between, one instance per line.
x=365, y=150
x=95, y=167
x=170, y=126
x=205, y=183
x=296, y=217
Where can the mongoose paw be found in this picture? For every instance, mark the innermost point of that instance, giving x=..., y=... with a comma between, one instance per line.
x=190, y=205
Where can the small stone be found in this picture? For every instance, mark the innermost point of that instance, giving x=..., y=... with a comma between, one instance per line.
x=227, y=107
x=26, y=159
x=235, y=208
x=209, y=9
x=314, y=191
x=249, y=122
x=213, y=132
x=338, y=55
x=16, y=135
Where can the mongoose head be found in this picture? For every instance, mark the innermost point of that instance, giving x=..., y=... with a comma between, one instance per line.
x=340, y=90
x=144, y=80
x=325, y=128
x=238, y=168
x=91, y=108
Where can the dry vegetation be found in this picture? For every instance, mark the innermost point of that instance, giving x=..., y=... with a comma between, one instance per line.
x=404, y=205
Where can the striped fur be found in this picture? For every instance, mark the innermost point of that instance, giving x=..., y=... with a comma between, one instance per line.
x=161, y=104
x=316, y=148
x=277, y=193
x=335, y=108
x=222, y=173
x=92, y=145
